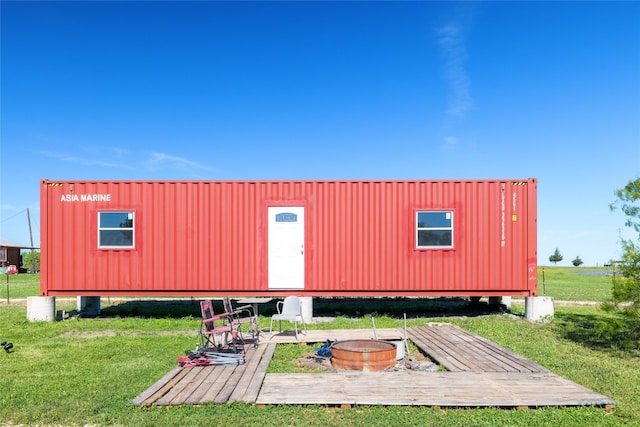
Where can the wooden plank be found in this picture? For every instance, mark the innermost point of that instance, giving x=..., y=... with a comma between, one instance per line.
x=476, y=357
x=453, y=358
x=177, y=392
x=432, y=388
x=465, y=347
x=215, y=378
x=156, y=386
x=211, y=382
x=429, y=345
x=496, y=354
x=195, y=384
x=256, y=382
x=350, y=389
x=461, y=350
x=249, y=370
x=230, y=385
x=436, y=348
x=166, y=387
x=495, y=358
x=532, y=366
x=218, y=385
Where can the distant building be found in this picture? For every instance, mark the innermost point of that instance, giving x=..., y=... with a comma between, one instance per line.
x=10, y=253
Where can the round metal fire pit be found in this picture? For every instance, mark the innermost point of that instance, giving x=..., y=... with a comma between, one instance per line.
x=363, y=355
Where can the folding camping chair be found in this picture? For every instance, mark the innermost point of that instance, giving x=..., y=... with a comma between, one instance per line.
x=219, y=331
x=244, y=315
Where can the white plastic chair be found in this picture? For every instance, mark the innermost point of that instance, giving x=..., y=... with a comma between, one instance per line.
x=290, y=309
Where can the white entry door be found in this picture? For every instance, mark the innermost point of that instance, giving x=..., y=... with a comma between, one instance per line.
x=286, y=247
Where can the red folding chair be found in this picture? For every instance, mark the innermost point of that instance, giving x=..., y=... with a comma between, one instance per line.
x=219, y=331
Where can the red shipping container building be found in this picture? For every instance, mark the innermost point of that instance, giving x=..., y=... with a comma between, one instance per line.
x=277, y=238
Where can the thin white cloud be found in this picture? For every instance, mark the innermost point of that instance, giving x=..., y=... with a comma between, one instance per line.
x=107, y=151
x=450, y=38
x=120, y=158
x=451, y=42
x=83, y=160
x=167, y=160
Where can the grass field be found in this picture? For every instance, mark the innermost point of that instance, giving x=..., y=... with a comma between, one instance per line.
x=575, y=283
x=19, y=285
x=561, y=283
x=86, y=371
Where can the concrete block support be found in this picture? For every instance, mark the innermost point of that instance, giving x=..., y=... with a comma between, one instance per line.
x=89, y=306
x=41, y=309
x=538, y=309
x=307, y=308
x=506, y=302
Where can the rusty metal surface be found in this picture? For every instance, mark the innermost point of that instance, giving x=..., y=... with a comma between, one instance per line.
x=363, y=355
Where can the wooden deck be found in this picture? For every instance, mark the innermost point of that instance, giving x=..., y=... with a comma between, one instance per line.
x=480, y=373
x=219, y=384
x=445, y=389
x=459, y=350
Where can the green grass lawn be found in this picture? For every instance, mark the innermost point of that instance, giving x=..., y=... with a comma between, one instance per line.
x=561, y=283
x=86, y=371
x=19, y=285
x=575, y=283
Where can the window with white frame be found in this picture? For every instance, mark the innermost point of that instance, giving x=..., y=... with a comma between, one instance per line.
x=116, y=230
x=434, y=229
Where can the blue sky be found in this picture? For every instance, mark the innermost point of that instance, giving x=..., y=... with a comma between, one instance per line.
x=328, y=90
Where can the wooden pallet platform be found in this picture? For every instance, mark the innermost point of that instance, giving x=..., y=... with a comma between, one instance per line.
x=460, y=350
x=481, y=373
x=219, y=384
x=445, y=389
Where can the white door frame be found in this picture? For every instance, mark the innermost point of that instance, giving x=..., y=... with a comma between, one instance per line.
x=286, y=246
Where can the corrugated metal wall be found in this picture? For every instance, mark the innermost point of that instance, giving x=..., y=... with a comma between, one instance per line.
x=201, y=237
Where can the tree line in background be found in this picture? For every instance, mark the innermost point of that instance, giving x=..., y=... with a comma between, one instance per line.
x=31, y=261
x=556, y=257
